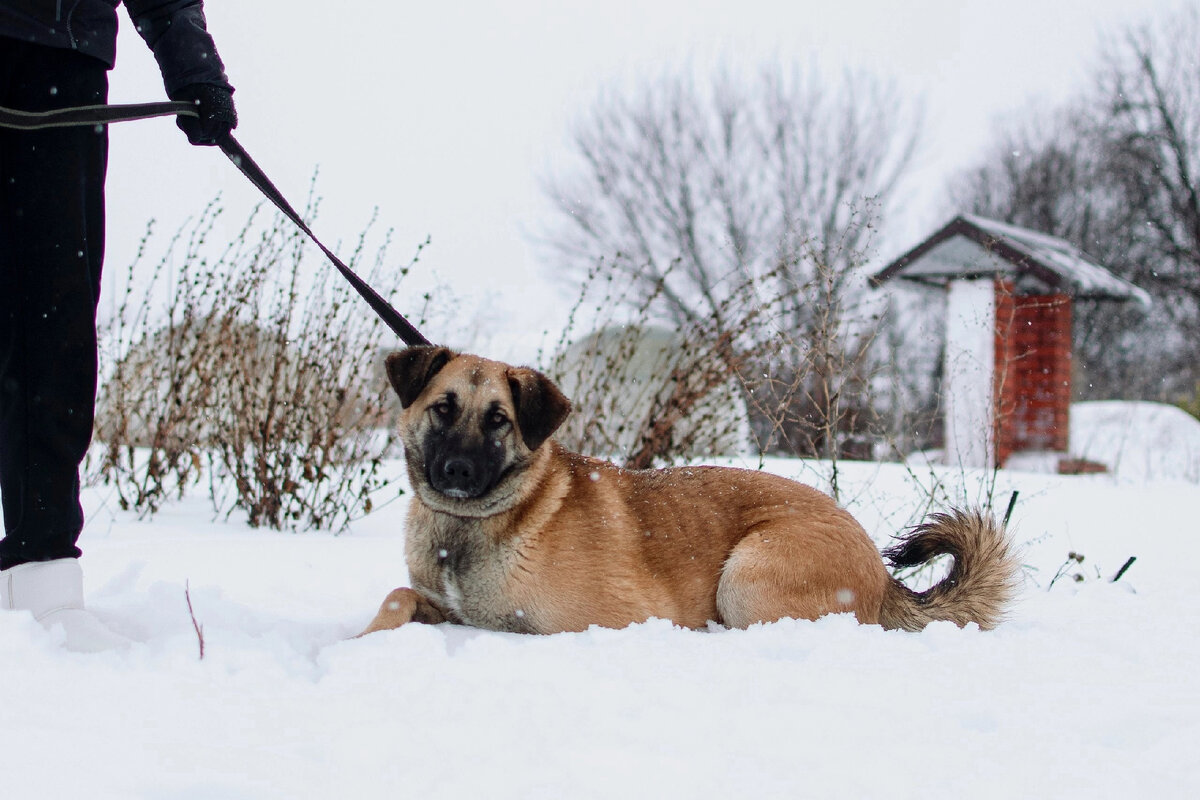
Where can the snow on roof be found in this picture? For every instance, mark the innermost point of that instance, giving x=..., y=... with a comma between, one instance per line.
x=972, y=246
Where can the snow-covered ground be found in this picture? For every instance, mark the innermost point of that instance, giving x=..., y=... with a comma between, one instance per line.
x=1091, y=689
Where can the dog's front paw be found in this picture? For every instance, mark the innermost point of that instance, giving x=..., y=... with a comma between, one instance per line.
x=401, y=607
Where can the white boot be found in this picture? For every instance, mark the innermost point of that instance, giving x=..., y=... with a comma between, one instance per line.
x=53, y=591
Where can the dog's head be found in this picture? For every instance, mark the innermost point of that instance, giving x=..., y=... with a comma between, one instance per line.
x=470, y=426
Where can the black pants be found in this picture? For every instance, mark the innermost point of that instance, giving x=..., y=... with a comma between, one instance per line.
x=51, y=248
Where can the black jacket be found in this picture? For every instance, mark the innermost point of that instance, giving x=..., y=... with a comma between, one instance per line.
x=174, y=29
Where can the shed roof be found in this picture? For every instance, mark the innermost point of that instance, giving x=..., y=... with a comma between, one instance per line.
x=970, y=246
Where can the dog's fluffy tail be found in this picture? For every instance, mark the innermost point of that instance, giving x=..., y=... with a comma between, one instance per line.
x=979, y=587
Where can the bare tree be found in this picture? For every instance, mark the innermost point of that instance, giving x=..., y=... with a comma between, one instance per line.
x=689, y=193
x=1115, y=173
x=1152, y=85
x=686, y=190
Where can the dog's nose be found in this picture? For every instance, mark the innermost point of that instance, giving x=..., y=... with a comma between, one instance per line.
x=458, y=471
x=461, y=475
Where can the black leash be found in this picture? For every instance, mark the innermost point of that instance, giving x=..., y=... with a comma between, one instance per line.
x=393, y=318
x=106, y=114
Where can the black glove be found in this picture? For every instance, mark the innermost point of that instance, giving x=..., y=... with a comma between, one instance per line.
x=215, y=106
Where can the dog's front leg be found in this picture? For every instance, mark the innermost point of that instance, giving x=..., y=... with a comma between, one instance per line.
x=401, y=607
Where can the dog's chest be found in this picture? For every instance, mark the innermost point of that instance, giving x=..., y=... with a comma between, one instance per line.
x=468, y=576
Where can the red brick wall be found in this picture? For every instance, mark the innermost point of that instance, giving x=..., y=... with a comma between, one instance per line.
x=1033, y=371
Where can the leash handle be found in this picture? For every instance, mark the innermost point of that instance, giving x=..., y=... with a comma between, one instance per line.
x=391, y=317
x=92, y=115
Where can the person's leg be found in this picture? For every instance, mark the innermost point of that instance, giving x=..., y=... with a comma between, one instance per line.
x=51, y=248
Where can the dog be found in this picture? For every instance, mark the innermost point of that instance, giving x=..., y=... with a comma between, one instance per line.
x=507, y=530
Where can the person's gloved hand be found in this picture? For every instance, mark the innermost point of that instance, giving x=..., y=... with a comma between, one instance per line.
x=215, y=106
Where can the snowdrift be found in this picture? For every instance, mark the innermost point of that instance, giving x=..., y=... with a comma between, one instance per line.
x=1088, y=690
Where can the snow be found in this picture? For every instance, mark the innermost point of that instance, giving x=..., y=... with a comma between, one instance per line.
x=1088, y=690
x=1137, y=441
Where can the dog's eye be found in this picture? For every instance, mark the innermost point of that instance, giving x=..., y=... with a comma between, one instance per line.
x=443, y=409
x=496, y=420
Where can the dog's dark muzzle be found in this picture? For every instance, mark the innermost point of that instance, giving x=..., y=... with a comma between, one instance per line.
x=462, y=473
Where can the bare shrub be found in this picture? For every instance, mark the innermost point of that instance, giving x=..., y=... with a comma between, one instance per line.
x=812, y=381
x=813, y=391
x=147, y=411
x=722, y=383
x=264, y=369
x=648, y=394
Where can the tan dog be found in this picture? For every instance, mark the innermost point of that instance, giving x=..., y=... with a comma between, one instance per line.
x=509, y=531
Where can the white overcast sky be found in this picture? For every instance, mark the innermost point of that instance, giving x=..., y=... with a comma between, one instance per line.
x=445, y=115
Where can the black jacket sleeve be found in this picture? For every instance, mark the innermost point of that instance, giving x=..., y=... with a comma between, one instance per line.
x=177, y=33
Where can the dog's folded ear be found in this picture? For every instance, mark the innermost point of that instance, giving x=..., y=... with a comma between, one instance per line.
x=411, y=370
x=539, y=404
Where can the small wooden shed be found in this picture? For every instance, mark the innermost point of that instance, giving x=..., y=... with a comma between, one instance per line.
x=1010, y=294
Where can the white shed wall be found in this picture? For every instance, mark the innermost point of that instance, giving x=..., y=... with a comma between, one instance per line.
x=970, y=364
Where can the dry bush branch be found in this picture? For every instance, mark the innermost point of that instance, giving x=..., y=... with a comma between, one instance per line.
x=737, y=380
x=264, y=370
